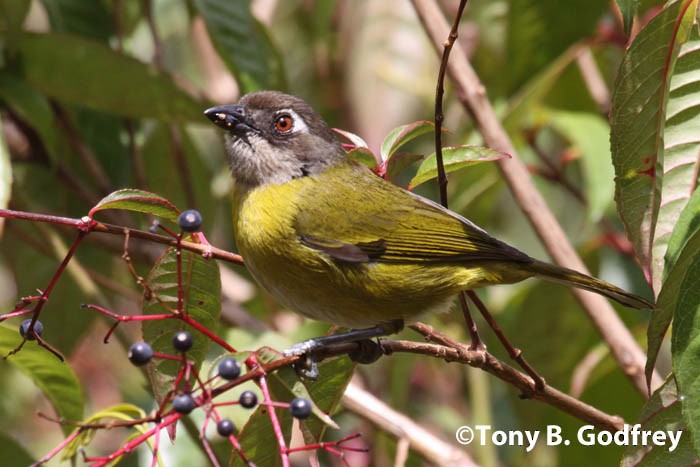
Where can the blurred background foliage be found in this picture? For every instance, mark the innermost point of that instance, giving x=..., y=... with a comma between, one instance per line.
x=105, y=94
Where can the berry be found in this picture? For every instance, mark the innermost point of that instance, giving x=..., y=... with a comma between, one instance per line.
x=225, y=427
x=24, y=327
x=183, y=404
x=300, y=408
x=140, y=353
x=182, y=341
x=190, y=220
x=229, y=368
x=248, y=399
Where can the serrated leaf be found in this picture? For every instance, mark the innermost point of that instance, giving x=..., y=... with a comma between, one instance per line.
x=667, y=308
x=131, y=199
x=661, y=413
x=454, y=159
x=637, y=122
x=681, y=148
x=91, y=74
x=680, y=295
x=55, y=379
x=687, y=224
x=201, y=294
x=402, y=135
x=242, y=43
x=589, y=134
x=628, y=8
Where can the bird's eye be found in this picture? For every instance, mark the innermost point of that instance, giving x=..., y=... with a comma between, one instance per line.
x=284, y=124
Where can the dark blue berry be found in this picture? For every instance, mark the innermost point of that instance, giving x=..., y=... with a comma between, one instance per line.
x=248, y=399
x=225, y=427
x=190, y=220
x=300, y=408
x=24, y=327
x=183, y=404
x=229, y=368
x=182, y=341
x=140, y=353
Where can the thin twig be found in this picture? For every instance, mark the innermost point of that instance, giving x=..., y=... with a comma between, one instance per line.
x=439, y=93
x=472, y=94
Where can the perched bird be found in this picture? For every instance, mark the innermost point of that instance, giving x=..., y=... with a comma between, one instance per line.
x=331, y=240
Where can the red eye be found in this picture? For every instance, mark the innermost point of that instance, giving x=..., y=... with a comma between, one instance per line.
x=284, y=124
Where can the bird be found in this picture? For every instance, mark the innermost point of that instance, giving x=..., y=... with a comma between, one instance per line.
x=331, y=240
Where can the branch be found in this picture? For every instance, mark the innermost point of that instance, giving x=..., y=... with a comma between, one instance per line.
x=435, y=450
x=472, y=94
x=208, y=250
x=453, y=351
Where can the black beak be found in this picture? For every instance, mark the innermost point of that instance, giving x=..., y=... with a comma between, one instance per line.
x=229, y=117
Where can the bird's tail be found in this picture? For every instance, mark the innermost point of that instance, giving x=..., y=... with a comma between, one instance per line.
x=569, y=276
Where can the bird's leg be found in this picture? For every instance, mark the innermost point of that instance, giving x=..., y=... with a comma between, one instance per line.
x=366, y=352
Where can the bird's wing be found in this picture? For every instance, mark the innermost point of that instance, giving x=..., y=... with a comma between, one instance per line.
x=383, y=223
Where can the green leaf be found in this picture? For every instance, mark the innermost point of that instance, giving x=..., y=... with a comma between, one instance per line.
x=80, y=71
x=661, y=413
x=668, y=308
x=540, y=30
x=454, y=159
x=13, y=453
x=201, y=292
x=33, y=108
x=364, y=156
x=12, y=16
x=55, y=379
x=356, y=140
x=258, y=440
x=119, y=412
x=89, y=19
x=402, y=135
x=681, y=148
x=533, y=92
x=327, y=392
x=286, y=385
x=637, y=122
x=628, y=8
x=589, y=134
x=131, y=199
x=242, y=43
x=399, y=162
x=680, y=295
x=687, y=225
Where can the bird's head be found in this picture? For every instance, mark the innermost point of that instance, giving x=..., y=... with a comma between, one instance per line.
x=273, y=137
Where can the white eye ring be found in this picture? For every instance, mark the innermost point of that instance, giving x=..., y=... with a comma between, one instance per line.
x=288, y=121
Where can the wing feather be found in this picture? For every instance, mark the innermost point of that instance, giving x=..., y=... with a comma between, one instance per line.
x=384, y=223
